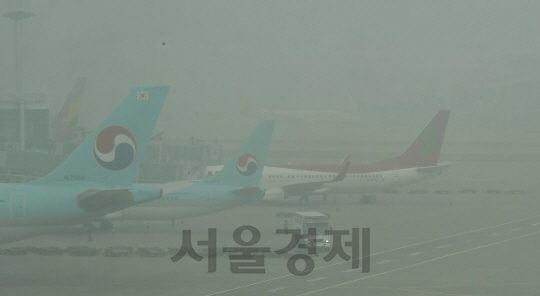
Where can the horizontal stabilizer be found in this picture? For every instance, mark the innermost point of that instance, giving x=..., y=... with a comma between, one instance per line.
x=249, y=191
x=433, y=168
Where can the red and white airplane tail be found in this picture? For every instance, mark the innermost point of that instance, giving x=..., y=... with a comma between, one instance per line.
x=424, y=151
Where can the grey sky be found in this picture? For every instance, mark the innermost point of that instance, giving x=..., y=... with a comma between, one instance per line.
x=301, y=55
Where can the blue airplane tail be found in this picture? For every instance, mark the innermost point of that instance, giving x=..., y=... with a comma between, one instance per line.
x=246, y=166
x=112, y=153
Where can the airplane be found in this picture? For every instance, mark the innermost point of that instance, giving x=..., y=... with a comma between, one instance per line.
x=65, y=122
x=96, y=179
x=419, y=162
x=236, y=184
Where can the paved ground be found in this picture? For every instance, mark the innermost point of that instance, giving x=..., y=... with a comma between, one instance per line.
x=423, y=244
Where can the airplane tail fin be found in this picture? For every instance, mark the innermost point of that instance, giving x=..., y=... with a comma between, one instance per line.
x=67, y=118
x=424, y=151
x=112, y=153
x=246, y=166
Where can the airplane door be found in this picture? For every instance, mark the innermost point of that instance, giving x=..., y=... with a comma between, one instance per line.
x=395, y=177
x=17, y=205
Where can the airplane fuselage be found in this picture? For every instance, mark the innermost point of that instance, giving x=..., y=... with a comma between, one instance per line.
x=353, y=183
x=192, y=201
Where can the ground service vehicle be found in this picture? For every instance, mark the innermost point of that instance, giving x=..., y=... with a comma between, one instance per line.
x=319, y=236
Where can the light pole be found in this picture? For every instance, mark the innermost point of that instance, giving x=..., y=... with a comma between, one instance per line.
x=18, y=17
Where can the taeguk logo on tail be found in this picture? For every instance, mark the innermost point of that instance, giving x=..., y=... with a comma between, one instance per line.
x=115, y=148
x=247, y=164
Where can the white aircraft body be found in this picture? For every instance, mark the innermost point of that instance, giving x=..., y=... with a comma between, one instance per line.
x=418, y=163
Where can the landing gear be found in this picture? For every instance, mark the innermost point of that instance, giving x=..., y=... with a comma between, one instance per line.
x=106, y=225
x=304, y=200
x=368, y=199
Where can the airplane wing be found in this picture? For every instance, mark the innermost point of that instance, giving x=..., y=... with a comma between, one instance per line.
x=433, y=168
x=311, y=187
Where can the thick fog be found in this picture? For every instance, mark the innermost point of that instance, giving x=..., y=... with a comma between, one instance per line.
x=356, y=56
x=358, y=77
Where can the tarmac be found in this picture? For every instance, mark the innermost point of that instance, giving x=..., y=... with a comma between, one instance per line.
x=451, y=243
